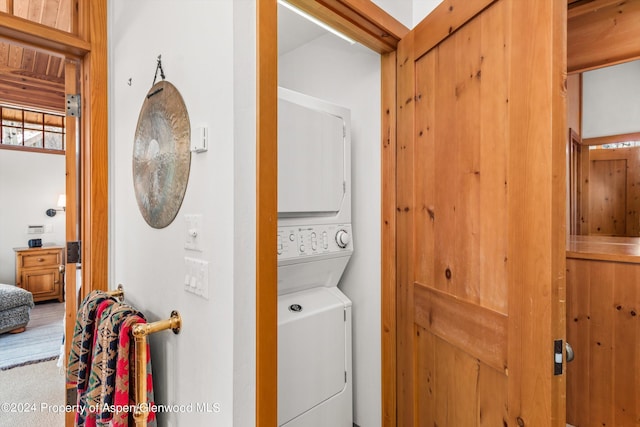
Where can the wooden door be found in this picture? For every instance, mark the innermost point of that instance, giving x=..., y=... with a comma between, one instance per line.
x=71, y=224
x=481, y=176
x=614, y=186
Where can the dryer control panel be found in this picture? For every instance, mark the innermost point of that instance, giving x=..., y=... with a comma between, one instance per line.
x=302, y=241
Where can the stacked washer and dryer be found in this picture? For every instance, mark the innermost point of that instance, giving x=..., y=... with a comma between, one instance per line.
x=314, y=247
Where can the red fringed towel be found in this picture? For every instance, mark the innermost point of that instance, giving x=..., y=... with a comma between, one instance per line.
x=125, y=372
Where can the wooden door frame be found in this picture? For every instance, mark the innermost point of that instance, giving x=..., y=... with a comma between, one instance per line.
x=374, y=28
x=87, y=43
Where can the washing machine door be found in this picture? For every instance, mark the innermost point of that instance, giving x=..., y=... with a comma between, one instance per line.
x=311, y=350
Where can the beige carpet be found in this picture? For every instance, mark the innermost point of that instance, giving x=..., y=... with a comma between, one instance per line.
x=32, y=396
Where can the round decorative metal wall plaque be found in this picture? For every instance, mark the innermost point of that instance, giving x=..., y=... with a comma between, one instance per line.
x=161, y=155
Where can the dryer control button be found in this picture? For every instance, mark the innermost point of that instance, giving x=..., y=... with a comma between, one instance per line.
x=342, y=238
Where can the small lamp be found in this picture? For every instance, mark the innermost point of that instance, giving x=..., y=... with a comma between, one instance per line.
x=62, y=203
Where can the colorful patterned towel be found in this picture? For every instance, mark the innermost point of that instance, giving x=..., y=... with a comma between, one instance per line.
x=102, y=381
x=82, y=342
x=86, y=415
x=102, y=361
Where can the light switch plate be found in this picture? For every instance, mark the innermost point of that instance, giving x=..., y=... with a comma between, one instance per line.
x=196, y=279
x=200, y=139
x=193, y=232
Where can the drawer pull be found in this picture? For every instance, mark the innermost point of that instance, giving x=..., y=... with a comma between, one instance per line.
x=40, y=259
x=56, y=282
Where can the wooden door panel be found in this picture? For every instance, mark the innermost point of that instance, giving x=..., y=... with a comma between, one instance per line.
x=480, y=214
x=614, y=191
x=608, y=183
x=460, y=173
x=444, y=371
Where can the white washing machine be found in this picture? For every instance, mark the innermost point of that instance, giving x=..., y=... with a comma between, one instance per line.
x=314, y=246
x=314, y=359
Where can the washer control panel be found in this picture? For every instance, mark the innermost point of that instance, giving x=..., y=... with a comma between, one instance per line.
x=300, y=241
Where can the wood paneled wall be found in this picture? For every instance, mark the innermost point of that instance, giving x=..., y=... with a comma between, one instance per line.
x=603, y=326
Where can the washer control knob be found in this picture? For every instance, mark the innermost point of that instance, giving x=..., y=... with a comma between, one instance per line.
x=342, y=238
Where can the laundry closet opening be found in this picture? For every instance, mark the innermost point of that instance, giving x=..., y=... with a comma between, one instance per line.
x=315, y=63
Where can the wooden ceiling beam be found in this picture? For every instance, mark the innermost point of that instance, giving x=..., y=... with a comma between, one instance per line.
x=21, y=75
x=22, y=83
x=32, y=90
x=26, y=100
x=606, y=35
x=582, y=7
x=33, y=33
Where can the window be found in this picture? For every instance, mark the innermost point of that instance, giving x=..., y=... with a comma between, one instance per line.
x=32, y=130
x=612, y=145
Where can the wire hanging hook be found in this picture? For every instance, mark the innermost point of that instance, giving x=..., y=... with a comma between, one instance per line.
x=158, y=68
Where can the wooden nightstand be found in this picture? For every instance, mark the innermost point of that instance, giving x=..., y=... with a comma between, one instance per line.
x=39, y=271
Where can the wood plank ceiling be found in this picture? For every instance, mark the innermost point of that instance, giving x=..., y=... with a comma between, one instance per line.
x=31, y=78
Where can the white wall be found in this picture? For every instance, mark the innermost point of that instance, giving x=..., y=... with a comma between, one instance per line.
x=399, y=9
x=244, y=160
x=408, y=12
x=207, y=50
x=422, y=8
x=331, y=69
x=30, y=183
x=611, y=100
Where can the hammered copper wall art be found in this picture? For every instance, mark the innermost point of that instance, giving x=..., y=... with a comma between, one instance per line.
x=161, y=155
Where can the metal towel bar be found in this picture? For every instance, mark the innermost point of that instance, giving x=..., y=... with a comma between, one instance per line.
x=140, y=332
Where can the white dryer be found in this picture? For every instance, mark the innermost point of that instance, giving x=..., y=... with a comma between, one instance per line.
x=314, y=246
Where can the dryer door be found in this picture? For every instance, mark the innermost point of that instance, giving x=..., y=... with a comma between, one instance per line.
x=311, y=350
